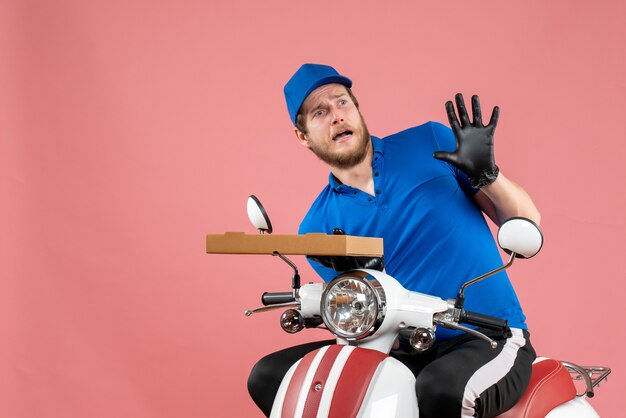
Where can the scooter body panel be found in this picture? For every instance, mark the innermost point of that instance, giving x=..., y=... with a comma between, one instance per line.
x=576, y=408
x=391, y=392
x=346, y=382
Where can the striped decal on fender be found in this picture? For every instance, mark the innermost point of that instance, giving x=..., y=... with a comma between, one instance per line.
x=354, y=382
x=321, y=377
x=297, y=380
x=350, y=376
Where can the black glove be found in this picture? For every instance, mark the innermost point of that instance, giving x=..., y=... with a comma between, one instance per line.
x=474, y=143
x=344, y=263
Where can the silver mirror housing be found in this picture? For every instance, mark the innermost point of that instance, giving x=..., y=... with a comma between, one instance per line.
x=520, y=236
x=258, y=216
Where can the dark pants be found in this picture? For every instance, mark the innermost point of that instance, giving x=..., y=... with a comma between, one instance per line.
x=463, y=371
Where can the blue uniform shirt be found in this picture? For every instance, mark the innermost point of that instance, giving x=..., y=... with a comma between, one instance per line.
x=435, y=237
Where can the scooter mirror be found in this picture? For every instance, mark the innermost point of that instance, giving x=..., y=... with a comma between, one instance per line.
x=258, y=216
x=520, y=236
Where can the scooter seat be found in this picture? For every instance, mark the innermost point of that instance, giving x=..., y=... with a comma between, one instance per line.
x=550, y=385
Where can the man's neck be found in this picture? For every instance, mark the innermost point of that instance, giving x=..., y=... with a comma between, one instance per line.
x=358, y=176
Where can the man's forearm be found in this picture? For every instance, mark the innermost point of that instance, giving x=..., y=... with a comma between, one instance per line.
x=504, y=199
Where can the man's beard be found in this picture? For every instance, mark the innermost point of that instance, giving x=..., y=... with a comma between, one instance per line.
x=349, y=160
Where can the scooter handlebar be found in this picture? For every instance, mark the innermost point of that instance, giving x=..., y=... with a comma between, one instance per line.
x=273, y=298
x=484, y=321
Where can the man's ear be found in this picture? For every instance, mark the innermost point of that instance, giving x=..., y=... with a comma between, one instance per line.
x=302, y=138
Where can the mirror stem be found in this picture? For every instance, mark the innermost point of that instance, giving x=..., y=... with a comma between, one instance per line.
x=460, y=298
x=295, y=281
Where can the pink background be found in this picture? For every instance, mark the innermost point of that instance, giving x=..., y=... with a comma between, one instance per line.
x=130, y=129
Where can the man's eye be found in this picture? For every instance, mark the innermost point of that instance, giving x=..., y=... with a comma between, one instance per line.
x=318, y=113
x=343, y=101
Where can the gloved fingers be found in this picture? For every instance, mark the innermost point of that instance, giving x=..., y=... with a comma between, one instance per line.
x=478, y=117
x=342, y=263
x=454, y=122
x=460, y=105
x=446, y=156
x=374, y=263
x=337, y=263
x=494, y=117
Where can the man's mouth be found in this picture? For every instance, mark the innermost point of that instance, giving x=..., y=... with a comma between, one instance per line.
x=342, y=135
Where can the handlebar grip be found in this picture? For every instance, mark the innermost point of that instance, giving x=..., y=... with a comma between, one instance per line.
x=273, y=298
x=485, y=321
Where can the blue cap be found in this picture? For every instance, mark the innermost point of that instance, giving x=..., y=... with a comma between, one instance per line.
x=305, y=80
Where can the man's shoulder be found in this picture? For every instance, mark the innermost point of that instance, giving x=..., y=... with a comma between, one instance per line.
x=427, y=137
x=426, y=130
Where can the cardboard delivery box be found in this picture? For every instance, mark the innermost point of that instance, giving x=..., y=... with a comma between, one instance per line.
x=308, y=244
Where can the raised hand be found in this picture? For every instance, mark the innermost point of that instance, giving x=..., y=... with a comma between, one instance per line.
x=474, y=143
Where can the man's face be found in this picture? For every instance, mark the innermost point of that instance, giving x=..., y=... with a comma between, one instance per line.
x=336, y=132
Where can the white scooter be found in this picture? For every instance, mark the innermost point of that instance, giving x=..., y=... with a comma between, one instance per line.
x=368, y=310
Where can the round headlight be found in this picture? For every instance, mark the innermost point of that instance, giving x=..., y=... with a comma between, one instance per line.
x=353, y=305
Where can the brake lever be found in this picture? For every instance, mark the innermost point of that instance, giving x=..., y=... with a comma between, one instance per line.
x=272, y=307
x=440, y=319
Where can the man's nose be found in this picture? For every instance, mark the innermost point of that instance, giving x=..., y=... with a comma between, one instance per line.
x=337, y=117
